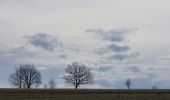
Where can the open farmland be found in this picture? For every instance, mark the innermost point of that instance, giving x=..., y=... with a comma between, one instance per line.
x=83, y=94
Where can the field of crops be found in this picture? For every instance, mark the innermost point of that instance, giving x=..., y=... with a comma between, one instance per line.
x=83, y=94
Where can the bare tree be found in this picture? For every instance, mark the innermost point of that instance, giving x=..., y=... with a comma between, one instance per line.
x=78, y=74
x=31, y=76
x=16, y=78
x=128, y=83
x=51, y=84
x=154, y=87
x=25, y=76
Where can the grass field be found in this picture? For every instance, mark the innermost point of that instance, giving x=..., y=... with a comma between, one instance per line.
x=83, y=94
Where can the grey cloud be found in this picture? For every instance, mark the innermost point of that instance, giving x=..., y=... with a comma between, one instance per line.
x=117, y=48
x=134, y=69
x=114, y=35
x=45, y=41
x=134, y=55
x=15, y=55
x=62, y=56
x=101, y=51
x=112, y=48
x=122, y=57
x=105, y=68
x=19, y=52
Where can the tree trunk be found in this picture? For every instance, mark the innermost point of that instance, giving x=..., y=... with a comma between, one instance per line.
x=76, y=87
x=28, y=86
x=128, y=87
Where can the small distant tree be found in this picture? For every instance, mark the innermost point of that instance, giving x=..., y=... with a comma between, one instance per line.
x=128, y=83
x=51, y=84
x=78, y=74
x=154, y=87
x=25, y=76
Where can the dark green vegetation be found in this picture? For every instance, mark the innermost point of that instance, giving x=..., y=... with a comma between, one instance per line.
x=85, y=94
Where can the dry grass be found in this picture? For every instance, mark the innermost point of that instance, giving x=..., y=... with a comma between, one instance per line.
x=83, y=94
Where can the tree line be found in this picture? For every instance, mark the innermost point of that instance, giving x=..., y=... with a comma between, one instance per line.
x=27, y=76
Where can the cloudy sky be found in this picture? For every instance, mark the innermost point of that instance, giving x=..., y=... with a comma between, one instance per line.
x=117, y=39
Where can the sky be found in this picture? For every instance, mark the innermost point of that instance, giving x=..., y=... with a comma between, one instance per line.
x=117, y=39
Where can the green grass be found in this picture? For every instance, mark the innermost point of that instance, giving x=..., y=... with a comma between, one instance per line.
x=83, y=94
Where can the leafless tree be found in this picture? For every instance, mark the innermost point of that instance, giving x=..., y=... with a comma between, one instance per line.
x=51, y=84
x=16, y=78
x=25, y=76
x=78, y=74
x=154, y=87
x=128, y=83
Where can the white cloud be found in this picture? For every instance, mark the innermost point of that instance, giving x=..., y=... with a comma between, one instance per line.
x=68, y=19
